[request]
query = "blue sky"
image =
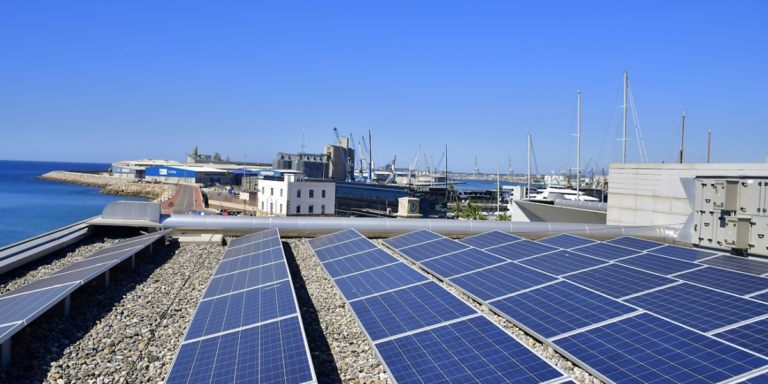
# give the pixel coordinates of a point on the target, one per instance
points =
(109, 81)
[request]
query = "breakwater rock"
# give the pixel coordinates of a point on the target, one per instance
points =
(113, 186)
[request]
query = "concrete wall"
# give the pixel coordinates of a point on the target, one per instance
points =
(651, 194)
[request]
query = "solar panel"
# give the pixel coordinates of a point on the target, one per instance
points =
(758, 379)
(334, 238)
(409, 239)
(761, 297)
(268, 353)
(688, 254)
(347, 248)
(468, 351)
(645, 348)
(700, 308)
(432, 249)
(489, 239)
(562, 262)
(249, 278)
(360, 262)
(521, 249)
(605, 251)
(16, 307)
(461, 262)
(500, 280)
(408, 309)
(79, 276)
(249, 261)
(378, 280)
(7, 330)
(251, 248)
(752, 336)
(635, 243)
(566, 241)
(242, 309)
(740, 264)
(618, 281)
(559, 308)
(725, 280)
(253, 237)
(658, 264)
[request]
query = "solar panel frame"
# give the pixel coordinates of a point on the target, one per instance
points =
(80, 277)
(408, 309)
(725, 280)
(378, 280)
(461, 262)
(411, 239)
(646, 348)
(634, 243)
(562, 262)
(760, 297)
(566, 241)
(521, 249)
(617, 281)
(687, 254)
(662, 265)
(752, 336)
(436, 248)
(357, 263)
(559, 308)
(8, 330)
(27, 306)
(761, 378)
(698, 307)
(490, 239)
(500, 280)
(606, 251)
(738, 264)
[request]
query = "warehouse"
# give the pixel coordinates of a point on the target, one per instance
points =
(192, 175)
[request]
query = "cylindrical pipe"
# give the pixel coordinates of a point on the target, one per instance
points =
(386, 227)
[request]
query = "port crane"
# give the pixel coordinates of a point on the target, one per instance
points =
(343, 154)
(368, 162)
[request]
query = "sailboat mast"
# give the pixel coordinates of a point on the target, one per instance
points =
(624, 138)
(528, 192)
(578, 148)
(709, 145)
(498, 191)
(682, 139)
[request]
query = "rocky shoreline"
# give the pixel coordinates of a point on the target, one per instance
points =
(113, 186)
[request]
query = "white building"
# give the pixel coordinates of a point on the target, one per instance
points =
(294, 196)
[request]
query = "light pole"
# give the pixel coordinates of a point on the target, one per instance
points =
(186, 157)
(242, 183)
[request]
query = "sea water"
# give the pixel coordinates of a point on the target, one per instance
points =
(30, 206)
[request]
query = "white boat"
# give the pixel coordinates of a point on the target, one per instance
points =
(554, 192)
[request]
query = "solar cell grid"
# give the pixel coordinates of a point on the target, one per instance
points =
(618, 281)
(645, 348)
(359, 262)
(635, 243)
(761, 297)
(461, 262)
(116, 249)
(6, 330)
(759, 379)
(378, 280)
(410, 239)
(521, 249)
(249, 278)
(501, 280)
(87, 263)
(739, 264)
(432, 249)
(700, 308)
(253, 237)
(566, 241)
(725, 280)
(752, 336)
(559, 308)
(269, 353)
(78, 276)
(606, 251)
(562, 262)
(251, 248)
(333, 238)
(344, 249)
(489, 239)
(249, 261)
(658, 264)
(241, 309)
(408, 309)
(472, 350)
(23, 307)
(688, 254)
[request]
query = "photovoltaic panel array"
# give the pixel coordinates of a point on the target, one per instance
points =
(738, 264)
(566, 241)
(247, 326)
(593, 296)
(422, 332)
(24, 304)
(489, 239)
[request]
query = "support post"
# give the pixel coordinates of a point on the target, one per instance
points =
(133, 261)
(5, 352)
(106, 279)
(67, 302)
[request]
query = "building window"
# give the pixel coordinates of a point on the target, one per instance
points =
(298, 209)
(322, 209)
(271, 191)
(298, 193)
(262, 190)
(262, 205)
(323, 193)
(281, 207)
(311, 208)
(311, 193)
(281, 192)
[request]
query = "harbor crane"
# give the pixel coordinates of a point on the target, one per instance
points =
(343, 154)
(368, 162)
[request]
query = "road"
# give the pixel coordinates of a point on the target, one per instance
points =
(187, 198)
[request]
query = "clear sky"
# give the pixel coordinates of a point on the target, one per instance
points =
(104, 81)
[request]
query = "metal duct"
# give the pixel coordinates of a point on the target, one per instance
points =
(590, 205)
(386, 227)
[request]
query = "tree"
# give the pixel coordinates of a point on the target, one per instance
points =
(217, 156)
(473, 212)
(456, 210)
(503, 217)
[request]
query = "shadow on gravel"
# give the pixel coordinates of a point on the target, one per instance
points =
(39, 346)
(326, 369)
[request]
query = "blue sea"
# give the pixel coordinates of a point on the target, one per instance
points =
(29, 206)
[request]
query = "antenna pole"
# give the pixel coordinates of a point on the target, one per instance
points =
(498, 191)
(528, 192)
(682, 140)
(446, 182)
(709, 145)
(624, 139)
(578, 148)
(370, 157)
